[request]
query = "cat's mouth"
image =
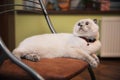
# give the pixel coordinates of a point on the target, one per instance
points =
(82, 29)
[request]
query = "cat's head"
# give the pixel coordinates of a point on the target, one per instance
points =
(86, 28)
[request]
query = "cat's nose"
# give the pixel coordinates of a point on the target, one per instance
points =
(80, 25)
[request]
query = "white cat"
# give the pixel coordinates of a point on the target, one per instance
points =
(82, 44)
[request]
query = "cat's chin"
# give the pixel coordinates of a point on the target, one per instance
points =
(84, 35)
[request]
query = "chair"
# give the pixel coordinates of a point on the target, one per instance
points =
(46, 69)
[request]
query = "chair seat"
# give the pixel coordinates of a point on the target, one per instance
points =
(50, 69)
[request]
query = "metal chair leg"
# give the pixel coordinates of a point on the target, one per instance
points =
(92, 75)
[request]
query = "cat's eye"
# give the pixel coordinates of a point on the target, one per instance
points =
(87, 23)
(79, 24)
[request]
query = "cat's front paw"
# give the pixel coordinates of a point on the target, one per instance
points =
(93, 64)
(32, 57)
(96, 58)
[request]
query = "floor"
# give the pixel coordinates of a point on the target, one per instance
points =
(109, 69)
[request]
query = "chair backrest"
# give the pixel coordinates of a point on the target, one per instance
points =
(10, 8)
(28, 7)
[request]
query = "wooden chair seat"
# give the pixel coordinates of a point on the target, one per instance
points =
(50, 69)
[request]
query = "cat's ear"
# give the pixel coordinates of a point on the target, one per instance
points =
(95, 20)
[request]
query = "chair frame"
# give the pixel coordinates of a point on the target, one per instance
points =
(7, 53)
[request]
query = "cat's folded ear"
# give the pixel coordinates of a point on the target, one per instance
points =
(95, 20)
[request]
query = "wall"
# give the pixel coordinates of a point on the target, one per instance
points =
(28, 25)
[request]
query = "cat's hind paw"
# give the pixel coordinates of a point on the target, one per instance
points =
(32, 57)
(17, 56)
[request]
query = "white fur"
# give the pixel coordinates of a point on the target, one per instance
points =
(62, 45)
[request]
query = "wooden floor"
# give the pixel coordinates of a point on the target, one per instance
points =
(109, 69)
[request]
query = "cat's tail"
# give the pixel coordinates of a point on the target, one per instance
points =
(17, 53)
